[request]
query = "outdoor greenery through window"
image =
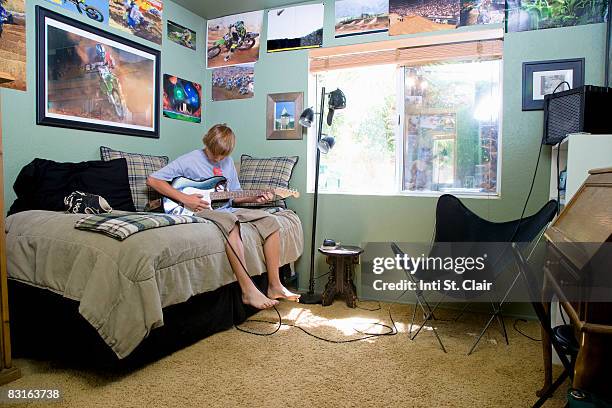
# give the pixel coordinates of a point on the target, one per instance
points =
(418, 129)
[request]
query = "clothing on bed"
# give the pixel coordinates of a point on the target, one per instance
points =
(122, 286)
(265, 223)
(43, 184)
(121, 226)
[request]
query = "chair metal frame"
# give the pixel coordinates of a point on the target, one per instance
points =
(496, 306)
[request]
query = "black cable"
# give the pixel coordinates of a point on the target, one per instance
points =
(535, 172)
(392, 331)
(522, 333)
(558, 179)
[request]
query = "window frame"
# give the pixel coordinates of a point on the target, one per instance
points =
(313, 94)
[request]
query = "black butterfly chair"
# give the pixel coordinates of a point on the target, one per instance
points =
(455, 223)
(561, 337)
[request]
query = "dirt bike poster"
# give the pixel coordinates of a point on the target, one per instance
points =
(143, 18)
(237, 82)
(182, 99)
(181, 35)
(96, 10)
(89, 79)
(355, 17)
(233, 40)
(13, 42)
(477, 12)
(295, 28)
(418, 16)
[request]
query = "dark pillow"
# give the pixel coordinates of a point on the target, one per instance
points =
(43, 184)
(256, 174)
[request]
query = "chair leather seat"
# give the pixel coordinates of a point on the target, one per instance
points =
(564, 336)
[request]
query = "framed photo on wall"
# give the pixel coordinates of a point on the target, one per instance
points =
(541, 78)
(89, 79)
(282, 116)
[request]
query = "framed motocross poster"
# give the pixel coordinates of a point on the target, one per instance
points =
(89, 79)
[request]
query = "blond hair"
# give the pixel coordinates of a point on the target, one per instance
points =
(220, 140)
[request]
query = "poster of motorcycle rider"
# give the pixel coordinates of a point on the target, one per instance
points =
(96, 10)
(95, 80)
(13, 42)
(143, 18)
(234, 40)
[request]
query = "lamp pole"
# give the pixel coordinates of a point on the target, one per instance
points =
(311, 297)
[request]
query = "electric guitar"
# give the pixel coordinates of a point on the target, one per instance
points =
(211, 189)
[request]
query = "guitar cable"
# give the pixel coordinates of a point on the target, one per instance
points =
(392, 330)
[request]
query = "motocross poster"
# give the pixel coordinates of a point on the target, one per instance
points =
(182, 99)
(234, 40)
(295, 28)
(181, 35)
(143, 18)
(13, 42)
(92, 80)
(95, 10)
(237, 82)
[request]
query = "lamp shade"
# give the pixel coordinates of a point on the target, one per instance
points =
(326, 144)
(307, 117)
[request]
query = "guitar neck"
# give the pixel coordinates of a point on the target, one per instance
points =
(227, 195)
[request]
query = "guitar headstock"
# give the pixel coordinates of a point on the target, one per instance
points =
(286, 192)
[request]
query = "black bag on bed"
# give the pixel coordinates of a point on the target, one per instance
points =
(43, 184)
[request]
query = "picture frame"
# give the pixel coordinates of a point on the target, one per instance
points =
(89, 79)
(541, 78)
(283, 110)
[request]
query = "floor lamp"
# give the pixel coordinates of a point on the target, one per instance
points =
(325, 143)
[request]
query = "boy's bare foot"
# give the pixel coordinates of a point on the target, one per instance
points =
(257, 299)
(281, 292)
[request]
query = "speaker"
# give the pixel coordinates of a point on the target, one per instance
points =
(583, 109)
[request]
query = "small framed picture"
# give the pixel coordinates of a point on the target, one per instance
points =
(284, 110)
(542, 78)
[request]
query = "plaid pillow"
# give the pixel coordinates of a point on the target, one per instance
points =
(266, 173)
(140, 166)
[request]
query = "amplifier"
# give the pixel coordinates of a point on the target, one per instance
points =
(583, 109)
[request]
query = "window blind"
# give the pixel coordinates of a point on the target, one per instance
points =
(404, 53)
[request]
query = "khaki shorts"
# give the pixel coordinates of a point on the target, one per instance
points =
(265, 223)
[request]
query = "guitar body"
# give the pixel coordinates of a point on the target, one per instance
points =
(204, 187)
(213, 189)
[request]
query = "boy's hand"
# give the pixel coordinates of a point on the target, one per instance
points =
(264, 198)
(195, 203)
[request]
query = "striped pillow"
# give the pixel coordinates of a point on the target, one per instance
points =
(266, 173)
(140, 166)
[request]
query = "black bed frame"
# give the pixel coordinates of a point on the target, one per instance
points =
(47, 326)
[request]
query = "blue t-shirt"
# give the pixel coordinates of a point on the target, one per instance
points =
(195, 165)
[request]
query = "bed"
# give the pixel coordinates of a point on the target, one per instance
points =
(131, 300)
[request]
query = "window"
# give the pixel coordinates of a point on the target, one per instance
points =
(451, 127)
(363, 159)
(428, 126)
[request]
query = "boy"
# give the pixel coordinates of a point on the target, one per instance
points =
(215, 160)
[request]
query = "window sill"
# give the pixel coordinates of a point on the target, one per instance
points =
(425, 194)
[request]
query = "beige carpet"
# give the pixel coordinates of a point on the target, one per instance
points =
(292, 369)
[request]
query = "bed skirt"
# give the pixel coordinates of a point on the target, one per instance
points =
(45, 325)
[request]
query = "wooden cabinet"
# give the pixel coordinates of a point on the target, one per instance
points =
(8, 372)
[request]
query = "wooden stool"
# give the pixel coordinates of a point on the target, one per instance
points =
(341, 261)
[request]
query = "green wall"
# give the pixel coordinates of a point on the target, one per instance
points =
(359, 219)
(347, 218)
(23, 140)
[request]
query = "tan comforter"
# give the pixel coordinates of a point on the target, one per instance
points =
(123, 286)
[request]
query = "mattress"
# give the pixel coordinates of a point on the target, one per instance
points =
(122, 286)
